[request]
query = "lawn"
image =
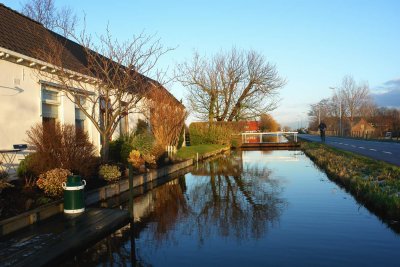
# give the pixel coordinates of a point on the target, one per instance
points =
(190, 152)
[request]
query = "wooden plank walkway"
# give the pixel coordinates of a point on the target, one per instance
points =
(60, 238)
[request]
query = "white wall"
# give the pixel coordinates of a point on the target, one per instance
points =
(20, 105)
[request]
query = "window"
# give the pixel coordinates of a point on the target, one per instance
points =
(80, 117)
(50, 105)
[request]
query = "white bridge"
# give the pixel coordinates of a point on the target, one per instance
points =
(268, 138)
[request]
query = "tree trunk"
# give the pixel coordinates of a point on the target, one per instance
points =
(211, 114)
(238, 104)
(105, 145)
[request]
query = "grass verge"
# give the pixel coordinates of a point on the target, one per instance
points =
(190, 152)
(375, 183)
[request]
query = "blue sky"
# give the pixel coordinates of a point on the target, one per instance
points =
(313, 43)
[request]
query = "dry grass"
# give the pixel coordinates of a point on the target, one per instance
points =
(375, 183)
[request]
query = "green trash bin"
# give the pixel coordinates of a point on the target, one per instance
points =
(74, 201)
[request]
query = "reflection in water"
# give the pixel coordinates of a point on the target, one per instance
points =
(224, 198)
(252, 208)
(239, 202)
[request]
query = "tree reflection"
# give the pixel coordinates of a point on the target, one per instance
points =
(239, 202)
(168, 206)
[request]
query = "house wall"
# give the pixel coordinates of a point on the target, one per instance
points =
(133, 119)
(20, 105)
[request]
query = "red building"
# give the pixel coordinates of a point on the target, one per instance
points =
(252, 127)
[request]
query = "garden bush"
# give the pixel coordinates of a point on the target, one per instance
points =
(25, 170)
(142, 127)
(135, 159)
(3, 175)
(4, 184)
(61, 146)
(110, 173)
(3, 180)
(216, 133)
(115, 150)
(144, 143)
(51, 181)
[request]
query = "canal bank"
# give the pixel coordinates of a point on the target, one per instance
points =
(49, 210)
(374, 183)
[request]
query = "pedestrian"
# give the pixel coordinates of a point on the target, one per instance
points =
(322, 129)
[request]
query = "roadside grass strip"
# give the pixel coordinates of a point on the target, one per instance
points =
(374, 183)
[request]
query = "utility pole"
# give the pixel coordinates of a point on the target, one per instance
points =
(319, 113)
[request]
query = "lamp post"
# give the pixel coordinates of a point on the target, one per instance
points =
(340, 110)
(319, 113)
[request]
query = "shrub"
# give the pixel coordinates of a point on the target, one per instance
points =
(3, 180)
(144, 143)
(3, 175)
(135, 159)
(215, 133)
(149, 159)
(51, 181)
(115, 150)
(25, 170)
(110, 173)
(4, 184)
(142, 127)
(61, 146)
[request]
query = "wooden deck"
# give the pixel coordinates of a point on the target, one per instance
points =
(60, 238)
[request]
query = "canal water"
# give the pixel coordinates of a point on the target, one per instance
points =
(249, 208)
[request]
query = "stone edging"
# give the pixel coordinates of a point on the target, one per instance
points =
(25, 219)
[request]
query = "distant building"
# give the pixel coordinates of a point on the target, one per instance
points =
(360, 127)
(252, 126)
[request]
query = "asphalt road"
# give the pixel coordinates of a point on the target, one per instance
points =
(386, 151)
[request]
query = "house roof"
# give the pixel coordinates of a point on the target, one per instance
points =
(23, 35)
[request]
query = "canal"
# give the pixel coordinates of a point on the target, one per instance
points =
(249, 208)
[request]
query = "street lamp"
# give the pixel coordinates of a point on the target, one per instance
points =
(319, 113)
(340, 109)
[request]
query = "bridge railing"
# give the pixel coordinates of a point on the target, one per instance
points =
(268, 137)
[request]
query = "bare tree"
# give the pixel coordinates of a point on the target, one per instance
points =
(167, 116)
(105, 85)
(324, 110)
(355, 97)
(349, 100)
(62, 20)
(234, 85)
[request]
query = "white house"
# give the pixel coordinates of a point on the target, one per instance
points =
(26, 96)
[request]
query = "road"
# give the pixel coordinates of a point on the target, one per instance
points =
(386, 151)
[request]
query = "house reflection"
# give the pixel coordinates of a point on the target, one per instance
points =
(221, 197)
